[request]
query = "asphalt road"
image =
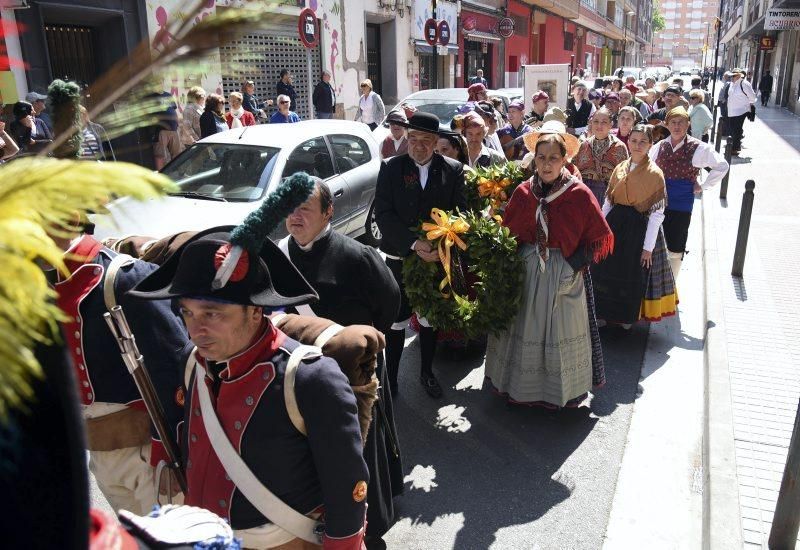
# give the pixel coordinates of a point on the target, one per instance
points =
(482, 474)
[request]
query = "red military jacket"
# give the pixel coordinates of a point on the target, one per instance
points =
(323, 472)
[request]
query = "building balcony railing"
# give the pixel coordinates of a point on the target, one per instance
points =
(569, 9)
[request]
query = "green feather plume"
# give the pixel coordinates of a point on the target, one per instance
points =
(65, 98)
(40, 197)
(291, 193)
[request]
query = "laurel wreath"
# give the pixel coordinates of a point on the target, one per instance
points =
(485, 286)
(491, 186)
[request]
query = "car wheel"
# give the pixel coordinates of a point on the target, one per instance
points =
(372, 235)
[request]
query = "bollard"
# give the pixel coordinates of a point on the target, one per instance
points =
(717, 141)
(744, 229)
(786, 521)
(713, 126)
(723, 187)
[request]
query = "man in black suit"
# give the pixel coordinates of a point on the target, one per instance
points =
(765, 87)
(409, 186)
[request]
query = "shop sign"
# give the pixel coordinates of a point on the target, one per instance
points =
(766, 43)
(308, 28)
(431, 31)
(505, 27)
(780, 19)
(444, 33)
(470, 23)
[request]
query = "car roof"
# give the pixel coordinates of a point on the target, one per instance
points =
(451, 94)
(287, 135)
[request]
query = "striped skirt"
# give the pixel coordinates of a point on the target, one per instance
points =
(661, 296)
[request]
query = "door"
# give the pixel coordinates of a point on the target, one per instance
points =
(314, 158)
(374, 57)
(71, 50)
(352, 158)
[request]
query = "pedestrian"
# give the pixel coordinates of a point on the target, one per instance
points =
(355, 287)
(396, 143)
(478, 79)
(236, 399)
(599, 154)
(370, 106)
(511, 134)
(540, 101)
(285, 87)
(324, 97)
(8, 147)
(635, 280)
(628, 118)
(452, 145)
(474, 130)
(190, 124)
(166, 141)
(765, 87)
(740, 100)
(284, 115)
(697, 85)
(595, 96)
(38, 101)
(212, 121)
(251, 103)
(681, 157)
(237, 117)
(579, 109)
(122, 450)
(95, 144)
(29, 133)
(700, 117)
(408, 187)
(612, 103)
(616, 85)
(672, 95)
(545, 357)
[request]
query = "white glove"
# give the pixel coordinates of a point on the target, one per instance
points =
(173, 524)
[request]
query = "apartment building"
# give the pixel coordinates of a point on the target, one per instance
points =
(689, 35)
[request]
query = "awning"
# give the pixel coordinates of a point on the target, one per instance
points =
(481, 36)
(420, 46)
(731, 32)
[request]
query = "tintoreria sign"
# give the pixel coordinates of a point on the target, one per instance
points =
(782, 19)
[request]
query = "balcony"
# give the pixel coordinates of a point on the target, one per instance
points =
(569, 9)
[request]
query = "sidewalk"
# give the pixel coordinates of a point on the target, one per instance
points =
(759, 345)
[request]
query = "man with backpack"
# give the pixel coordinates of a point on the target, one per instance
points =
(740, 100)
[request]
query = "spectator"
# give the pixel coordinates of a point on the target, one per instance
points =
(649, 82)
(283, 114)
(212, 121)
(39, 108)
(29, 133)
(616, 84)
(95, 144)
(396, 143)
(166, 142)
(596, 98)
(251, 103)
(671, 99)
(648, 98)
(700, 119)
(740, 100)
(540, 102)
(612, 103)
(579, 109)
(285, 87)
(8, 147)
(324, 98)
(190, 125)
(696, 85)
(370, 106)
(237, 117)
(765, 87)
(478, 79)
(489, 115)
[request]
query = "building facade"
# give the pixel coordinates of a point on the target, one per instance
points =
(688, 36)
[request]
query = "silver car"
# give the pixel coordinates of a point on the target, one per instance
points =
(224, 177)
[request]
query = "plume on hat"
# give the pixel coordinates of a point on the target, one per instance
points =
(251, 234)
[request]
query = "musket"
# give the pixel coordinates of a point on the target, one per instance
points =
(135, 362)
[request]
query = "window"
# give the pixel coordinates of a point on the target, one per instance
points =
(349, 151)
(311, 157)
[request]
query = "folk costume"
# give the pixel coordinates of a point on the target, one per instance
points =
(117, 424)
(578, 115)
(634, 209)
(404, 196)
(681, 164)
(508, 134)
(596, 160)
(292, 490)
(545, 356)
(355, 287)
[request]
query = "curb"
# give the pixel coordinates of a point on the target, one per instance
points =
(722, 524)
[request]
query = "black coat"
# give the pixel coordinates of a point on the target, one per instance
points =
(211, 123)
(765, 84)
(324, 97)
(401, 203)
(287, 89)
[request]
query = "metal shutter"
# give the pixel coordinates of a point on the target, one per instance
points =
(261, 56)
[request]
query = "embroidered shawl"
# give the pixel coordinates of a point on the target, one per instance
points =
(641, 188)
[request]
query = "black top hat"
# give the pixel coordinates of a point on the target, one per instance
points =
(424, 122)
(270, 280)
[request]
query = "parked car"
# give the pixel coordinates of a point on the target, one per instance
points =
(635, 72)
(444, 103)
(224, 177)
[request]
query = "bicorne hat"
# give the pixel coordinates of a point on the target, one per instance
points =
(238, 265)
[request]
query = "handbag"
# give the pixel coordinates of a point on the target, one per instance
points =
(752, 114)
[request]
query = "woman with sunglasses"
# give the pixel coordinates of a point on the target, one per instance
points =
(370, 106)
(283, 115)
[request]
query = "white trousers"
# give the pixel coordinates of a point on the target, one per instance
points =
(126, 478)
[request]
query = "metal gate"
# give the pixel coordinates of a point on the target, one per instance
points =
(71, 52)
(261, 56)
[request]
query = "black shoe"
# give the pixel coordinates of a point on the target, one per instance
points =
(431, 385)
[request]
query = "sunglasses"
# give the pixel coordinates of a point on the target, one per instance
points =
(283, 102)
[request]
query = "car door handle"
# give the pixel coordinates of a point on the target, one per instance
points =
(339, 193)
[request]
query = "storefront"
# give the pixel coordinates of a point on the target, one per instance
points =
(447, 59)
(518, 45)
(481, 47)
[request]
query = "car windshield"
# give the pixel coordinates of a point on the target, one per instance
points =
(220, 171)
(445, 109)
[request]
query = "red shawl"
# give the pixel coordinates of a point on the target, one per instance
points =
(575, 220)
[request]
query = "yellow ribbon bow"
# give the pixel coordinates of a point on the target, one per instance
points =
(447, 229)
(496, 189)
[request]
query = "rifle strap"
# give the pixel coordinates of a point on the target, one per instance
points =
(117, 262)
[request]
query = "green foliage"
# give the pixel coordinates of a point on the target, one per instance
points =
(491, 260)
(481, 194)
(658, 22)
(64, 98)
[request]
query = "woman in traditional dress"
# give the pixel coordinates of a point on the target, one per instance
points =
(545, 357)
(635, 281)
(600, 154)
(627, 118)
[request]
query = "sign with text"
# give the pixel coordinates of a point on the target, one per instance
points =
(780, 19)
(446, 10)
(766, 43)
(431, 32)
(444, 33)
(505, 27)
(307, 28)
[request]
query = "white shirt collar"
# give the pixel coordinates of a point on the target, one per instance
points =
(307, 247)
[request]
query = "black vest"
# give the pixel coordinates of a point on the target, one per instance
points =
(578, 118)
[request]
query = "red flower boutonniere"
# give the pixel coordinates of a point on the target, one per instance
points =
(411, 179)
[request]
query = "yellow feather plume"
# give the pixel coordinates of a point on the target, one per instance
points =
(38, 195)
